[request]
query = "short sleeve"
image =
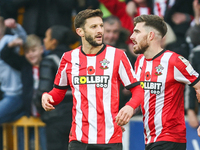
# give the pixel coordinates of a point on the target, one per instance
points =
(184, 72)
(126, 72)
(61, 80)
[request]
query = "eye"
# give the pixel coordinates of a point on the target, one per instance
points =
(94, 26)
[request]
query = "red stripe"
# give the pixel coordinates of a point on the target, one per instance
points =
(115, 97)
(152, 102)
(138, 12)
(159, 9)
(127, 66)
(149, 11)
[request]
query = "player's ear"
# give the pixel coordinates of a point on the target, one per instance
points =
(151, 35)
(80, 32)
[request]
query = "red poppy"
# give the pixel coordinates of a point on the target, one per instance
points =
(147, 75)
(91, 70)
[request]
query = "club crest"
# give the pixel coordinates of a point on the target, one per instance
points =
(104, 64)
(159, 69)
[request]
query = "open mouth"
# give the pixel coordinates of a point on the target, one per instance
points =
(134, 42)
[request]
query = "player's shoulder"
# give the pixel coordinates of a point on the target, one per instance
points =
(68, 53)
(176, 58)
(173, 55)
(117, 50)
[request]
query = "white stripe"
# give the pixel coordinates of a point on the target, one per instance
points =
(63, 78)
(92, 114)
(144, 11)
(160, 98)
(195, 144)
(77, 94)
(186, 96)
(109, 127)
(178, 76)
(123, 73)
(139, 69)
(146, 103)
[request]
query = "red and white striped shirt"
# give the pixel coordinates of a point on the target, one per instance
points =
(95, 82)
(163, 78)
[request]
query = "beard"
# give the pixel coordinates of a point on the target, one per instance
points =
(142, 47)
(91, 40)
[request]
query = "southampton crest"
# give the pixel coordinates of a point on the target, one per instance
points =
(159, 69)
(104, 64)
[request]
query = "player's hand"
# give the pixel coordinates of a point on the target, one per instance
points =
(124, 115)
(15, 42)
(46, 102)
(198, 131)
(198, 94)
(192, 118)
(10, 23)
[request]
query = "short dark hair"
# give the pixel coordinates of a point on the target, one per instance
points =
(153, 21)
(80, 18)
(63, 34)
(111, 20)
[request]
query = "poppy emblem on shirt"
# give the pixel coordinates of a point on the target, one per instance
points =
(147, 75)
(159, 69)
(104, 64)
(90, 70)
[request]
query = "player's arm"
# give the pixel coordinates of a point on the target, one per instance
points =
(197, 89)
(128, 79)
(126, 112)
(57, 94)
(54, 97)
(198, 131)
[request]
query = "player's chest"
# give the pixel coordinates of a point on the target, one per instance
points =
(92, 66)
(153, 76)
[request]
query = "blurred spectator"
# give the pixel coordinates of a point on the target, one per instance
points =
(179, 15)
(126, 20)
(138, 7)
(11, 104)
(116, 36)
(29, 67)
(58, 122)
(37, 16)
(169, 39)
(126, 12)
(193, 108)
(196, 8)
(85, 4)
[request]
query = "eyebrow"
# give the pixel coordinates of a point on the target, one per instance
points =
(136, 30)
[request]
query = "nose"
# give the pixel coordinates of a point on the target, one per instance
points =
(100, 29)
(132, 36)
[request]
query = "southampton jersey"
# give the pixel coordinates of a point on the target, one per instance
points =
(163, 79)
(95, 82)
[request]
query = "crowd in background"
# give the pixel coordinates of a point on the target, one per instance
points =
(35, 34)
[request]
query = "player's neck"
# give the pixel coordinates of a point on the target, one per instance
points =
(151, 52)
(89, 49)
